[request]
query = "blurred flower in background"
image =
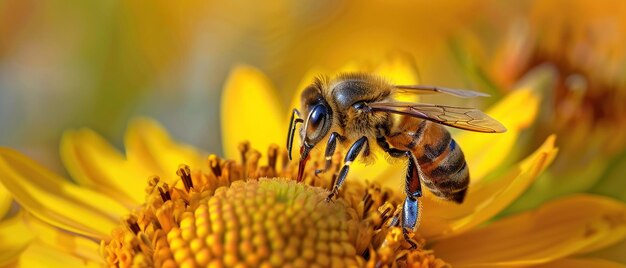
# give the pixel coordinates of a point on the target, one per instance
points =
(582, 44)
(91, 64)
(97, 64)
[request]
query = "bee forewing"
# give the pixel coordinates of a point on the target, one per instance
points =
(458, 117)
(424, 89)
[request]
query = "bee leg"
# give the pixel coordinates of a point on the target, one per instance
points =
(330, 150)
(393, 152)
(353, 152)
(410, 209)
(292, 129)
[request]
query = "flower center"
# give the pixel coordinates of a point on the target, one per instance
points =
(218, 218)
(264, 222)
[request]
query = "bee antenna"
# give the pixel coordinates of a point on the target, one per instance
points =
(292, 129)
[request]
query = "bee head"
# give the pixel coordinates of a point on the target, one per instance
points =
(318, 120)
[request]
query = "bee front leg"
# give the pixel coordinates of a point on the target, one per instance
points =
(353, 152)
(330, 150)
(410, 209)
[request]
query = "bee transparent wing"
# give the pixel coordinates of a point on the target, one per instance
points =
(458, 117)
(423, 89)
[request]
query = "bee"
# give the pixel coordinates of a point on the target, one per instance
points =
(356, 109)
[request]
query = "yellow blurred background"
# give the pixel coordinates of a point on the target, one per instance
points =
(69, 64)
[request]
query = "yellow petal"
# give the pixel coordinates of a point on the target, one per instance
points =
(613, 253)
(581, 263)
(14, 238)
(618, 235)
(556, 230)
(485, 200)
(149, 146)
(41, 255)
(491, 198)
(5, 201)
(77, 246)
(354, 66)
(55, 200)
(399, 69)
(485, 152)
(250, 111)
(94, 163)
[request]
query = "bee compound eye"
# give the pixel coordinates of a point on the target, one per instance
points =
(316, 125)
(318, 116)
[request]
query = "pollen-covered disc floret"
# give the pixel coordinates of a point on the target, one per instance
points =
(214, 217)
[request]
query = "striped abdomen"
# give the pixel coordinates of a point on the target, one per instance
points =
(440, 159)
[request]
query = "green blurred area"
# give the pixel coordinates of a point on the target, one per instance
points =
(69, 64)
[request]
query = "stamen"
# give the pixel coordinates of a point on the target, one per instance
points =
(367, 204)
(132, 224)
(386, 211)
(395, 219)
(253, 164)
(184, 172)
(366, 255)
(152, 183)
(384, 196)
(214, 164)
(333, 179)
(272, 156)
(244, 147)
(146, 244)
(164, 192)
(229, 172)
(284, 155)
(165, 216)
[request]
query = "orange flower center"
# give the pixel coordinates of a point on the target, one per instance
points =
(218, 218)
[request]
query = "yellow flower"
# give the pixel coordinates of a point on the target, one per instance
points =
(129, 208)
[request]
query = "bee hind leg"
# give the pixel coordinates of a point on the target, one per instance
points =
(410, 208)
(356, 148)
